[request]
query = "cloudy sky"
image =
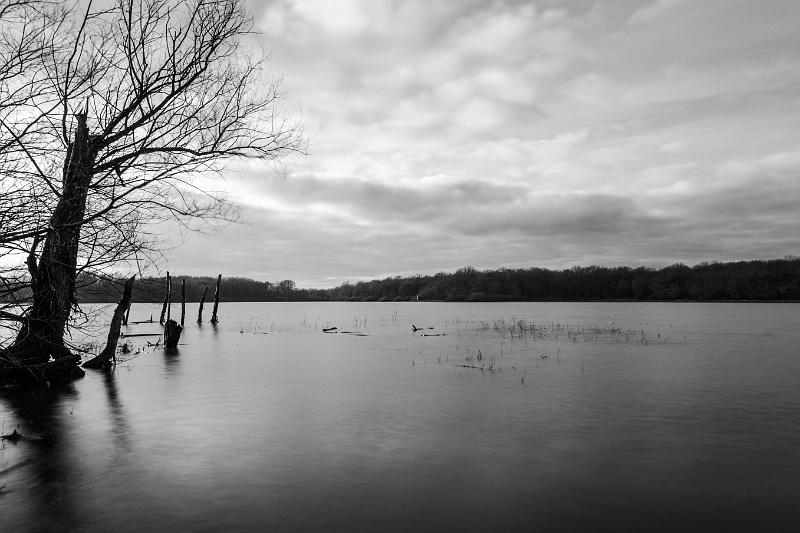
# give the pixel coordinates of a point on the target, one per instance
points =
(513, 134)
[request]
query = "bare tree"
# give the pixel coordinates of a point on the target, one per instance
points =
(25, 39)
(139, 98)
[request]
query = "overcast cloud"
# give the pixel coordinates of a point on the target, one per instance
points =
(516, 134)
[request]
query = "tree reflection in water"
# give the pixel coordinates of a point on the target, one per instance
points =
(41, 473)
(36, 470)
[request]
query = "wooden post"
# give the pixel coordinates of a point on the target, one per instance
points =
(202, 301)
(166, 299)
(183, 300)
(214, 318)
(169, 296)
(109, 354)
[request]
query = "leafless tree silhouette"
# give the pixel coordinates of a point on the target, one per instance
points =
(112, 116)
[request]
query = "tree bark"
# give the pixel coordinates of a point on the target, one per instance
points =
(214, 319)
(53, 277)
(202, 301)
(108, 355)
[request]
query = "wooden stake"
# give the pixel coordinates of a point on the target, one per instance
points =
(202, 301)
(183, 300)
(169, 296)
(214, 318)
(166, 299)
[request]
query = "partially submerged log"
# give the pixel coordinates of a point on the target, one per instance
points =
(202, 301)
(214, 318)
(12, 437)
(172, 334)
(107, 357)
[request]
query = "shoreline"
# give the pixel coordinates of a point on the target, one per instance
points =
(484, 301)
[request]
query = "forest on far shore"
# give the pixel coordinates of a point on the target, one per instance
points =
(765, 280)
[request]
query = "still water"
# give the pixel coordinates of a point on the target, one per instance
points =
(565, 417)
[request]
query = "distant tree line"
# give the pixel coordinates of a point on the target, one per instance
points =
(743, 280)
(773, 280)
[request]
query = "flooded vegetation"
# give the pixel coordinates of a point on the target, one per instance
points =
(398, 416)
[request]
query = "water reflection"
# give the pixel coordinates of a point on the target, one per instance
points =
(120, 431)
(43, 485)
(172, 361)
(300, 430)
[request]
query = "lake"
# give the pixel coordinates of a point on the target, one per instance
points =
(500, 417)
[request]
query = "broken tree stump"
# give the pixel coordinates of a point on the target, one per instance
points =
(108, 356)
(214, 318)
(202, 301)
(172, 334)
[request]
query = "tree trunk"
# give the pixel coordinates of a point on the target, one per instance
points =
(214, 319)
(53, 278)
(202, 301)
(104, 360)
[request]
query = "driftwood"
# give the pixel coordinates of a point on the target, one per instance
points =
(202, 301)
(165, 307)
(108, 356)
(12, 437)
(172, 334)
(214, 318)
